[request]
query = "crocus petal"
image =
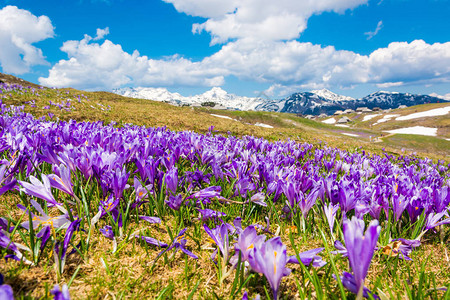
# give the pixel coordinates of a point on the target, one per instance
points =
(152, 241)
(61, 294)
(6, 292)
(151, 220)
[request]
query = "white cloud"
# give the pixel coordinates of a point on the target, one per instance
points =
(101, 33)
(411, 62)
(445, 97)
(19, 29)
(371, 34)
(284, 65)
(205, 8)
(389, 84)
(308, 66)
(107, 66)
(290, 63)
(266, 20)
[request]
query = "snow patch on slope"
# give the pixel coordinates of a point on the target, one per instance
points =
(223, 117)
(370, 117)
(329, 121)
(429, 113)
(263, 125)
(386, 118)
(350, 134)
(419, 130)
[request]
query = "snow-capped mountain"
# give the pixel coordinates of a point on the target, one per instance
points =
(386, 100)
(217, 95)
(157, 94)
(319, 102)
(329, 95)
(307, 103)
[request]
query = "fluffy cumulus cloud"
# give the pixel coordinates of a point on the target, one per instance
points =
(304, 65)
(105, 66)
(19, 29)
(286, 65)
(417, 61)
(257, 19)
(290, 63)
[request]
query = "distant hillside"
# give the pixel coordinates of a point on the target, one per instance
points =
(9, 79)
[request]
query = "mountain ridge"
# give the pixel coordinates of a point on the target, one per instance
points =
(315, 102)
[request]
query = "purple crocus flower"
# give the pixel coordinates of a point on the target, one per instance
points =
(44, 235)
(237, 226)
(400, 248)
(349, 282)
(441, 199)
(309, 257)
(245, 296)
(171, 180)
(61, 180)
(330, 211)
(247, 241)
(308, 202)
(60, 221)
(361, 209)
(294, 195)
(179, 243)
(220, 237)
(141, 191)
(107, 232)
(39, 189)
(4, 225)
(360, 247)
(347, 198)
(434, 220)
(6, 292)
(61, 294)
(209, 192)
(340, 249)
(208, 214)
(8, 182)
(174, 202)
(119, 182)
(6, 243)
(69, 233)
(60, 252)
(399, 204)
(270, 259)
(258, 198)
(110, 205)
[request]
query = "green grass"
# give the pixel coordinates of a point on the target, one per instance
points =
(410, 142)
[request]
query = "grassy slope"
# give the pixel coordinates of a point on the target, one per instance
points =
(424, 145)
(151, 113)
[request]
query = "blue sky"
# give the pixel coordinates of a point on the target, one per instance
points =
(352, 47)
